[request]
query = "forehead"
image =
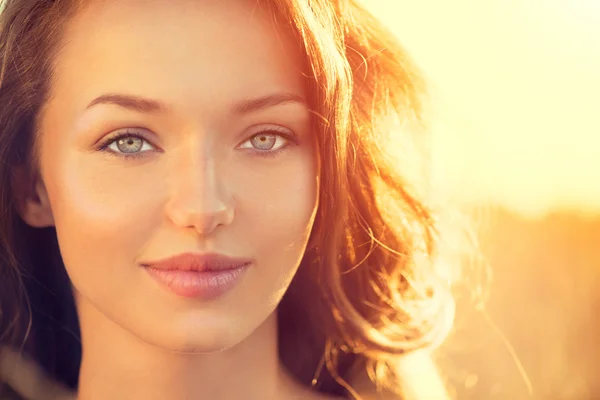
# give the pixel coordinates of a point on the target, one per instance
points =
(176, 49)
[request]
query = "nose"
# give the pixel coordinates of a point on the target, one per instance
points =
(198, 199)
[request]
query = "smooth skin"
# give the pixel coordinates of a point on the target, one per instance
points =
(222, 159)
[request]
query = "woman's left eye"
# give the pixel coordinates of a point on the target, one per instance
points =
(267, 142)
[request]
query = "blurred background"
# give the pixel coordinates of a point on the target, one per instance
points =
(515, 90)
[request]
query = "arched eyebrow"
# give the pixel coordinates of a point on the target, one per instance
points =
(134, 103)
(146, 105)
(260, 103)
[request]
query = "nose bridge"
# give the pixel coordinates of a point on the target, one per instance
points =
(198, 194)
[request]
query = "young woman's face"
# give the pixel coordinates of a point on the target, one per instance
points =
(221, 160)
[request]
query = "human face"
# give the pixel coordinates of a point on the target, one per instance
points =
(200, 181)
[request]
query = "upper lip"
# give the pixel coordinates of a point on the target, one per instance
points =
(198, 262)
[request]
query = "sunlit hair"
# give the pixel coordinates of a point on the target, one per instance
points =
(370, 289)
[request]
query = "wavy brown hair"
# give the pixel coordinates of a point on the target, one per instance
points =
(368, 291)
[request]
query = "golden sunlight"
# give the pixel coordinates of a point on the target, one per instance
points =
(515, 90)
(516, 94)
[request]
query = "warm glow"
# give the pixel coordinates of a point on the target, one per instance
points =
(516, 95)
(516, 89)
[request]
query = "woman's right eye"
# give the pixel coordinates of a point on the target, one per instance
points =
(127, 145)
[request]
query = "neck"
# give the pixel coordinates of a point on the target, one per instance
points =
(117, 365)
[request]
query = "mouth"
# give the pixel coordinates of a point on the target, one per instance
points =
(201, 276)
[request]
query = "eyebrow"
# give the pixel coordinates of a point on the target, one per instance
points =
(260, 103)
(145, 105)
(134, 103)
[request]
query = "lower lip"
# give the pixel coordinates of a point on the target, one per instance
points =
(204, 285)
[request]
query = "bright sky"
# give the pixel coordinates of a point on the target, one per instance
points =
(517, 92)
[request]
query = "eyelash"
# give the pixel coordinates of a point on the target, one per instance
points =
(275, 131)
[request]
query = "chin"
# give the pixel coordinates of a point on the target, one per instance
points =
(199, 337)
(193, 343)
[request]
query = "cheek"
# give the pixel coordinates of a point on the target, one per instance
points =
(102, 218)
(277, 210)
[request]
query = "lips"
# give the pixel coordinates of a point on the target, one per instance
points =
(200, 276)
(198, 262)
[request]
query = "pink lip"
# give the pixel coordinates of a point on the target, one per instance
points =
(205, 276)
